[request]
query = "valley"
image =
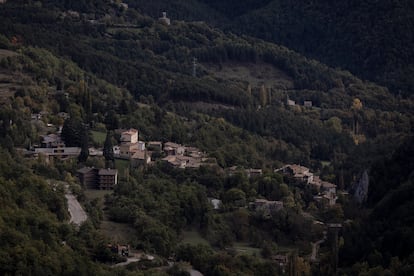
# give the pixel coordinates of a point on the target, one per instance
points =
(196, 145)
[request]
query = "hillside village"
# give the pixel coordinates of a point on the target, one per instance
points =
(140, 154)
(136, 142)
(326, 190)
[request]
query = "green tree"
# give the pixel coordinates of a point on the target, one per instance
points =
(335, 124)
(108, 150)
(71, 132)
(234, 198)
(84, 154)
(111, 120)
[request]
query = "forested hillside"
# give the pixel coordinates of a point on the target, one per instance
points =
(87, 70)
(384, 235)
(34, 237)
(373, 40)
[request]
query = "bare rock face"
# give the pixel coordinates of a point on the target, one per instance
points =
(361, 189)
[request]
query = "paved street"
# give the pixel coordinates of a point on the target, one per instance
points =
(77, 214)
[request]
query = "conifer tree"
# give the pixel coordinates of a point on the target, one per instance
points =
(84, 154)
(72, 132)
(108, 151)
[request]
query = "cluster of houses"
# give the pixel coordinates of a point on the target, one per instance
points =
(132, 149)
(327, 190)
(185, 157)
(140, 153)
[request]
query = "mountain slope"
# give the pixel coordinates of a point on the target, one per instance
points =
(375, 41)
(243, 104)
(153, 62)
(388, 229)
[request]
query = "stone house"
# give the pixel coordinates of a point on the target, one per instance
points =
(127, 150)
(140, 158)
(171, 148)
(326, 190)
(300, 173)
(154, 145)
(129, 136)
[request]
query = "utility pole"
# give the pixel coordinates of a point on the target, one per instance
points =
(194, 67)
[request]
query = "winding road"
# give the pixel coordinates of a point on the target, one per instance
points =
(77, 214)
(315, 247)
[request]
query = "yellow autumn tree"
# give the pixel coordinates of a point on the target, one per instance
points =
(356, 108)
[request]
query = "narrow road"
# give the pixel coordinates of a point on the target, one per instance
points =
(128, 261)
(190, 270)
(315, 247)
(77, 214)
(195, 272)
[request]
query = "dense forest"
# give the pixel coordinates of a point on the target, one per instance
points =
(373, 40)
(216, 85)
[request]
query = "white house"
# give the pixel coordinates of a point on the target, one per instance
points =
(164, 19)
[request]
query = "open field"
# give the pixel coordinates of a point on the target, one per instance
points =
(256, 74)
(193, 237)
(121, 165)
(117, 232)
(98, 136)
(245, 249)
